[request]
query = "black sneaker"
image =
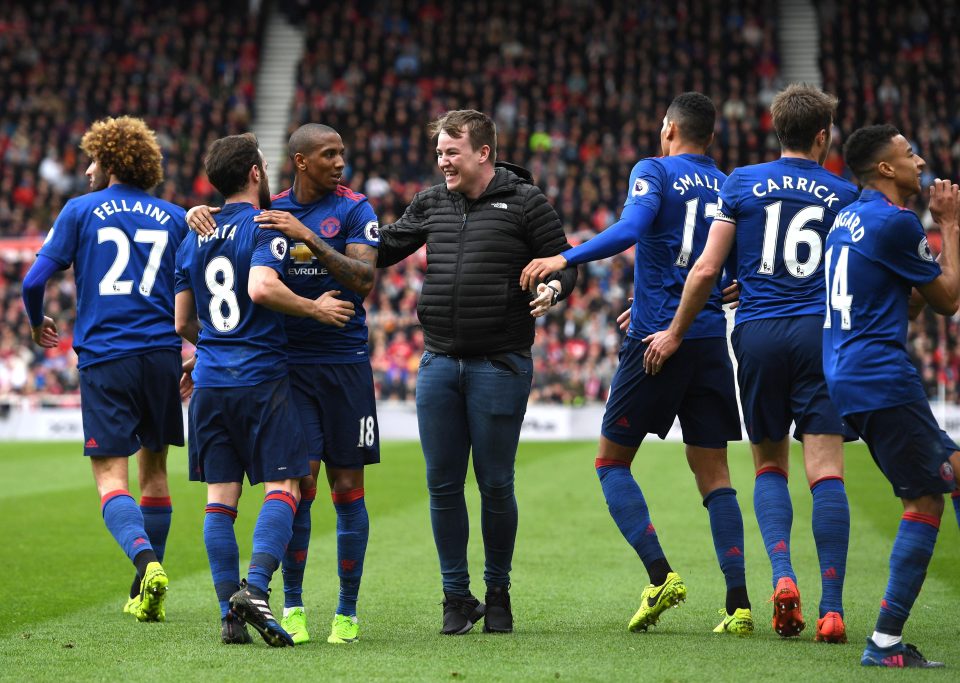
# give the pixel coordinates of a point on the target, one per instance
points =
(252, 605)
(233, 630)
(499, 617)
(460, 613)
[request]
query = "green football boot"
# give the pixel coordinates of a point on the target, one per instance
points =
(295, 624)
(153, 591)
(344, 629)
(656, 599)
(739, 623)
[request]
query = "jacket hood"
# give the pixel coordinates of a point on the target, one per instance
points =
(519, 171)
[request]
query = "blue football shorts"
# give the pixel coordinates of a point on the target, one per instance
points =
(131, 402)
(251, 430)
(695, 384)
(909, 447)
(780, 373)
(338, 411)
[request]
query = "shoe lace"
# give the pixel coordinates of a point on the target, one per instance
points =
(914, 652)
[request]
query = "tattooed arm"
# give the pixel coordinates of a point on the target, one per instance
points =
(354, 269)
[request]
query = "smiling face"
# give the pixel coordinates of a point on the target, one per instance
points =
(903, 166)
(323, 165)
(462, 166)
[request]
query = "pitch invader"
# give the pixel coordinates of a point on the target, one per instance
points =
(336, 236)
(876, 254)
(121, 242)
(666, 215)
(242, 418)
(778, 214)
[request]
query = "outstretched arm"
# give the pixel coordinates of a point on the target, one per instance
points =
(623, 234)
(400, 239)
(696, 292)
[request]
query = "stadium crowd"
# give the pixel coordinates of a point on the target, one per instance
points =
(574, 102)
(187, 68)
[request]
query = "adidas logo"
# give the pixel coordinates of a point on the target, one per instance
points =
(348, 565)
(91, 443)
(650, 530)
(139, 541)
(831, 573)
(734, 552)
(623, 422)
(780, 547)
(499, 205)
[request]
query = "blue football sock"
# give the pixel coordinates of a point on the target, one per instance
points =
(831, 533)
(955, 497)
(270, 537)
(295, 559)
(222, 552)
(123, 518)
(912, 550)
(353, 529)
(629, 510)
(774, 510)
(726, 525)
(157, 513)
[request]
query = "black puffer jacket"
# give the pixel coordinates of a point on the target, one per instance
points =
(471, 303)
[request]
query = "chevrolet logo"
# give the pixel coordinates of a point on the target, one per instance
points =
(301, 254)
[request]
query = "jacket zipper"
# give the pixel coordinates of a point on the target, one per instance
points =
(456, 275)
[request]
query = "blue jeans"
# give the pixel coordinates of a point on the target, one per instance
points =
(464, 403)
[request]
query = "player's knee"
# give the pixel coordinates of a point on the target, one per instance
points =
(925, 505)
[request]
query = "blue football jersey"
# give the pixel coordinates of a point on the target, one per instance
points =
(682, 191)
(783, 210)
(876, 253)
(122, 243)
(241, 344)
(340, 218)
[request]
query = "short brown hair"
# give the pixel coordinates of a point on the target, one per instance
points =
(481, 130)
(800, 112)
(229, 160)
(127, 148)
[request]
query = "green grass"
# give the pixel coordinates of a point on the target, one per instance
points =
(575, 581)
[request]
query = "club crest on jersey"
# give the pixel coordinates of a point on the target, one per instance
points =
(372, 231)
(947, 473)
(278, 247)
(924, 250)
(640, 187)
(330, 227)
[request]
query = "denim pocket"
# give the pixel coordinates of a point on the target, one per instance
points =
(426, 358)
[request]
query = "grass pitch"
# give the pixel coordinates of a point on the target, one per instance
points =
(575, 582)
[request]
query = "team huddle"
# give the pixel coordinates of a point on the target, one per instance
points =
(824, 277)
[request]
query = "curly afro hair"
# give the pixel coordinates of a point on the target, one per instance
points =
(127, 148)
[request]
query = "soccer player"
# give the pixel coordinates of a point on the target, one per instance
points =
(876, 253)
(242, 417)
(778, 214)
(336, 235)
(669, 203)
(122, 242)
